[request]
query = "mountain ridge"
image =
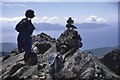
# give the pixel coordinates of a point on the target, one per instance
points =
(48, 26)
(99, 52)
(80, 65)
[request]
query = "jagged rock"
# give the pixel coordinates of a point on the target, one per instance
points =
(35, 76)
(29, 72)
(112, 60)
(9, 63)
(40, 66)
(12, 53)
(42, 75)
(43, 38)
(42, 47)
(84, 65)
(78, 66)
(19, 72)
(6, 57)
(48, 77)
(15, 68)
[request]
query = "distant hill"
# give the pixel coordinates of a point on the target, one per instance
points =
(99, 52)
(48, 27)
(91, 25)
(54, 27)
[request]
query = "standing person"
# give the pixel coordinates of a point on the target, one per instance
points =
(24, 39)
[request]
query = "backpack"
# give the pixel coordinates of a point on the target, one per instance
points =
(55, 62)
(20, 26)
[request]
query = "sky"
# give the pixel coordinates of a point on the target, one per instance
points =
(60, 0)
(57, 13)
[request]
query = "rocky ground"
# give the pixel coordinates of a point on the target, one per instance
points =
(79, 66)
(112, 60)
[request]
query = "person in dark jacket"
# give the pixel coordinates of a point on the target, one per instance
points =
(25, 29)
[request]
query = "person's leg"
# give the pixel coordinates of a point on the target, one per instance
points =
(33, 56)
(20, 44)
(27, 49)
(26, 57)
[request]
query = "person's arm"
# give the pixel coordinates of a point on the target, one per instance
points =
(31, 29)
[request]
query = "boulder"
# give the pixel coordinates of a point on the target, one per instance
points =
(112, 60)
(85, 66)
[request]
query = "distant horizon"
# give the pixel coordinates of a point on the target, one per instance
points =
(13, 47)
(58, 13)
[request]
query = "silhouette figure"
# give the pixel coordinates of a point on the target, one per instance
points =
(69, 39)
(25, 29)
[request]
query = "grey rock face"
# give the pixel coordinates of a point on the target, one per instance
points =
(112, 60)
(85, 66)
(79, 66)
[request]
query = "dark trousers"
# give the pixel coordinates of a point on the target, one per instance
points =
(27, 45)
(20, 43)
(24, 44)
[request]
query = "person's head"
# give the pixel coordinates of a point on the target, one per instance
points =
(70, 21)
(29, 13)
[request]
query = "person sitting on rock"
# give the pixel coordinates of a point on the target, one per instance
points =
(69, 39)
(55, 62)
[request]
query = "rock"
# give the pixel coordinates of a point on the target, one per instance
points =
(15, 68)
(35, 77)
(43, 47)
(40, 66)
(14, 52)
(18, 72)
(42, 76)
(83, 65)
(112, 60)
(6, 57)
(9, 63)
(48, 77)
(78, 66)
(11, 78)
(29, 71)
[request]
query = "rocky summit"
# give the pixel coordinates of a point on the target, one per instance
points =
(79, 66)
(112, 60)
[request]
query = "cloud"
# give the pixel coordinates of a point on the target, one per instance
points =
(10, 20)
(95, 19)
(36, 20)
(54, 20)
(46, 19)
(13, 4)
